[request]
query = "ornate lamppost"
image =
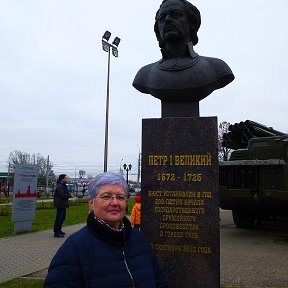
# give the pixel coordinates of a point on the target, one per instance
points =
(127, 168)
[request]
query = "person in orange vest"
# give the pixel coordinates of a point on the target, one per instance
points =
(136, 213)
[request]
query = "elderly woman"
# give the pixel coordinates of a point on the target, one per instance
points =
(107, 252)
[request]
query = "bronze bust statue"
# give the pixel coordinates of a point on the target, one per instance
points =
(182, 77)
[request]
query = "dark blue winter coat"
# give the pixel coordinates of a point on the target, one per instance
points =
(99, 257)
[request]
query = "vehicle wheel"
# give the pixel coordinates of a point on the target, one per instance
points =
(243, 218)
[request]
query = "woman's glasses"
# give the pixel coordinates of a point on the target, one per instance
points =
(108, 197)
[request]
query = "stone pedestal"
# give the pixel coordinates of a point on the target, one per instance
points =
(22, 226)
(180, 213)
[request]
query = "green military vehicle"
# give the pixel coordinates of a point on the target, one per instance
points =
(254, 181)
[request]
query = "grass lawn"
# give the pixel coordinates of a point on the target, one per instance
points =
(38, 283)
(45, 215)
(23, 283)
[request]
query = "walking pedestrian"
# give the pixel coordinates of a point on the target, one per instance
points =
(61, 196)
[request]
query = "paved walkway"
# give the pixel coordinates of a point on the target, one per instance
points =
(252, 258)
(27, 253)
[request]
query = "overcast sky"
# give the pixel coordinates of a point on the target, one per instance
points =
(53, 74)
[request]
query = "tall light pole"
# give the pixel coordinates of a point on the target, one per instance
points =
(8, 179)
(120, 168)
(47, 175)
(107, 48)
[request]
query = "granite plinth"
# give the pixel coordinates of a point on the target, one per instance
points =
(179, 183)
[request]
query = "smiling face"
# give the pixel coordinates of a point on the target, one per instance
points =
(173, 22)
(109, 204)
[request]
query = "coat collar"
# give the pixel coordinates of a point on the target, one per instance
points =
(108, 234)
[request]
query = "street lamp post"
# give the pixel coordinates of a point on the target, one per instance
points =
(107, 48)
(127, 168)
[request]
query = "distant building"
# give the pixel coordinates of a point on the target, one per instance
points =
(4, 184)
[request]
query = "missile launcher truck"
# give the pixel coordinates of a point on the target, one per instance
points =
(253, 183)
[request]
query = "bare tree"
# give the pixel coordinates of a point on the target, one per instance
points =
(19, 157)
(223, 152)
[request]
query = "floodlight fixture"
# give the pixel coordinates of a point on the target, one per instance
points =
(106, 36)
(115, 52)
(116, 41)
(105, 46)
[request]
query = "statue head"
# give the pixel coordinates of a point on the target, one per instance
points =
(181, 78)
(174, 10)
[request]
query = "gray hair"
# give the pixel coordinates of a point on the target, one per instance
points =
(106, 178)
